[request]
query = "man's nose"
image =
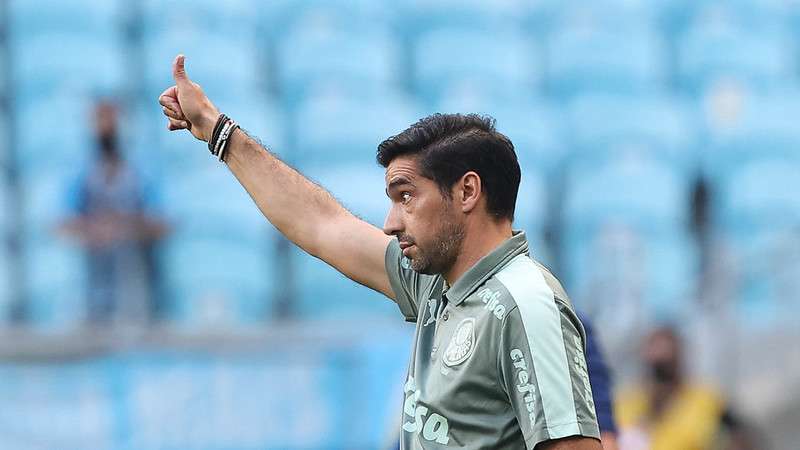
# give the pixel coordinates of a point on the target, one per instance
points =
(393, 223)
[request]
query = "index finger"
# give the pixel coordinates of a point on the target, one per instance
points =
(169, 99)
(171, 92)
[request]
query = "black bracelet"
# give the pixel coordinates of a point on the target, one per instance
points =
(225, 139)
(221, 120)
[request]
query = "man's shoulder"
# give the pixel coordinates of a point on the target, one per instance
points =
(523, 277)
(524, 281)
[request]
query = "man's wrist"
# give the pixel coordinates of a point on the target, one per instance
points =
(209, 119)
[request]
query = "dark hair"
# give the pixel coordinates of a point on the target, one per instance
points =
(450, 145)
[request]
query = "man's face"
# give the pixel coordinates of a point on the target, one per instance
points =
(428, 226)
(661, 355)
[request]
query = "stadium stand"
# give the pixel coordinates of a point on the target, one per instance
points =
(615, 107)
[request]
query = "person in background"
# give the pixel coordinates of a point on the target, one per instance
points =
(112, 216)
(669, 412)
(602, 385)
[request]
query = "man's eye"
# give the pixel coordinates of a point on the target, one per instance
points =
(405, 197)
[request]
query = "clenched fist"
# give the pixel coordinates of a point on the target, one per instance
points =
(186, 106)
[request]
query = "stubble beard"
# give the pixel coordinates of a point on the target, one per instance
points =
(444, 251)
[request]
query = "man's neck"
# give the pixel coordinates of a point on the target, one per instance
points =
(480, 239)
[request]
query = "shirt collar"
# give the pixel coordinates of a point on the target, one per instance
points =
(487, 266)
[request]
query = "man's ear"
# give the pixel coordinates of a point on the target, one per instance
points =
(469, 191)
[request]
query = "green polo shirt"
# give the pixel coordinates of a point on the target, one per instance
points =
(498, 360)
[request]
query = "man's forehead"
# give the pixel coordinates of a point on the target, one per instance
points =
(402, 168)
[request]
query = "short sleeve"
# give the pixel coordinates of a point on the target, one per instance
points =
(543, 370)
(407, 284)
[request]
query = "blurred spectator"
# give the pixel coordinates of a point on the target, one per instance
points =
(113, 218)
(668, 412)
(602, 384)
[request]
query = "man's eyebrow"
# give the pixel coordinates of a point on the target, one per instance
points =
(398, 182)
(395, 183)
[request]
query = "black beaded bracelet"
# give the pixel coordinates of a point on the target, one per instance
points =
(221, 120)
(225, 138)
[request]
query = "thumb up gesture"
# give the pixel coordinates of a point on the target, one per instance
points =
(186, 106)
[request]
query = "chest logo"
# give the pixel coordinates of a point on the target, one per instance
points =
(432, 304)
(461, 344)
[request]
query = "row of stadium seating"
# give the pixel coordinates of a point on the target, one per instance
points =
(306, 60)
(612, 171)
(289, 397)
(276, 16)
(715, 137)
(614, 237)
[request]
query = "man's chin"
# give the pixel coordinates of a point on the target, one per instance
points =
(422, 267)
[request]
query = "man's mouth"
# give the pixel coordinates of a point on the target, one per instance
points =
(405, 245)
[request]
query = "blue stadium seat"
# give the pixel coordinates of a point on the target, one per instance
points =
(764, 270)
(420, 16)
(68, 404)
(761, 127)
(218, 282)
(234, 19)
(74, 64)
(360, 187)
(360, 62)
(210, 204)
(297, 388)
(619, 272)
(532, 211)
(761, 195)
(331, 295)
(45, 204)
(378, 367)
(55, 266)
(55, 283)
(749, 16)
(56, 142)
(584, 60)
(6, 211)
(225, 66)
(279, 18)
(711, 54)
(341, 129)
(661, 126)
(606, 15)
(622, 191)
(89, 18)
(6, 287)
(262, 119)
(503, 62)
(5, 130)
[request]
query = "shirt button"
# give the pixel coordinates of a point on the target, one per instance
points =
(445, 316)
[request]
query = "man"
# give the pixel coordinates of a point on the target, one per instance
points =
(600, 378)
(669, 411)
(499, 357)
(113, 217)
(601, 382)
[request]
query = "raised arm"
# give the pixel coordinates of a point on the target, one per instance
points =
(303, 211)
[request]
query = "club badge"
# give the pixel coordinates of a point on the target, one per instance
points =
(461, 344)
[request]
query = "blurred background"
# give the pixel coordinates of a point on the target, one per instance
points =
(146, 304)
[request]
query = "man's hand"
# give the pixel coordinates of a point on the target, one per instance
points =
(186, 106)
